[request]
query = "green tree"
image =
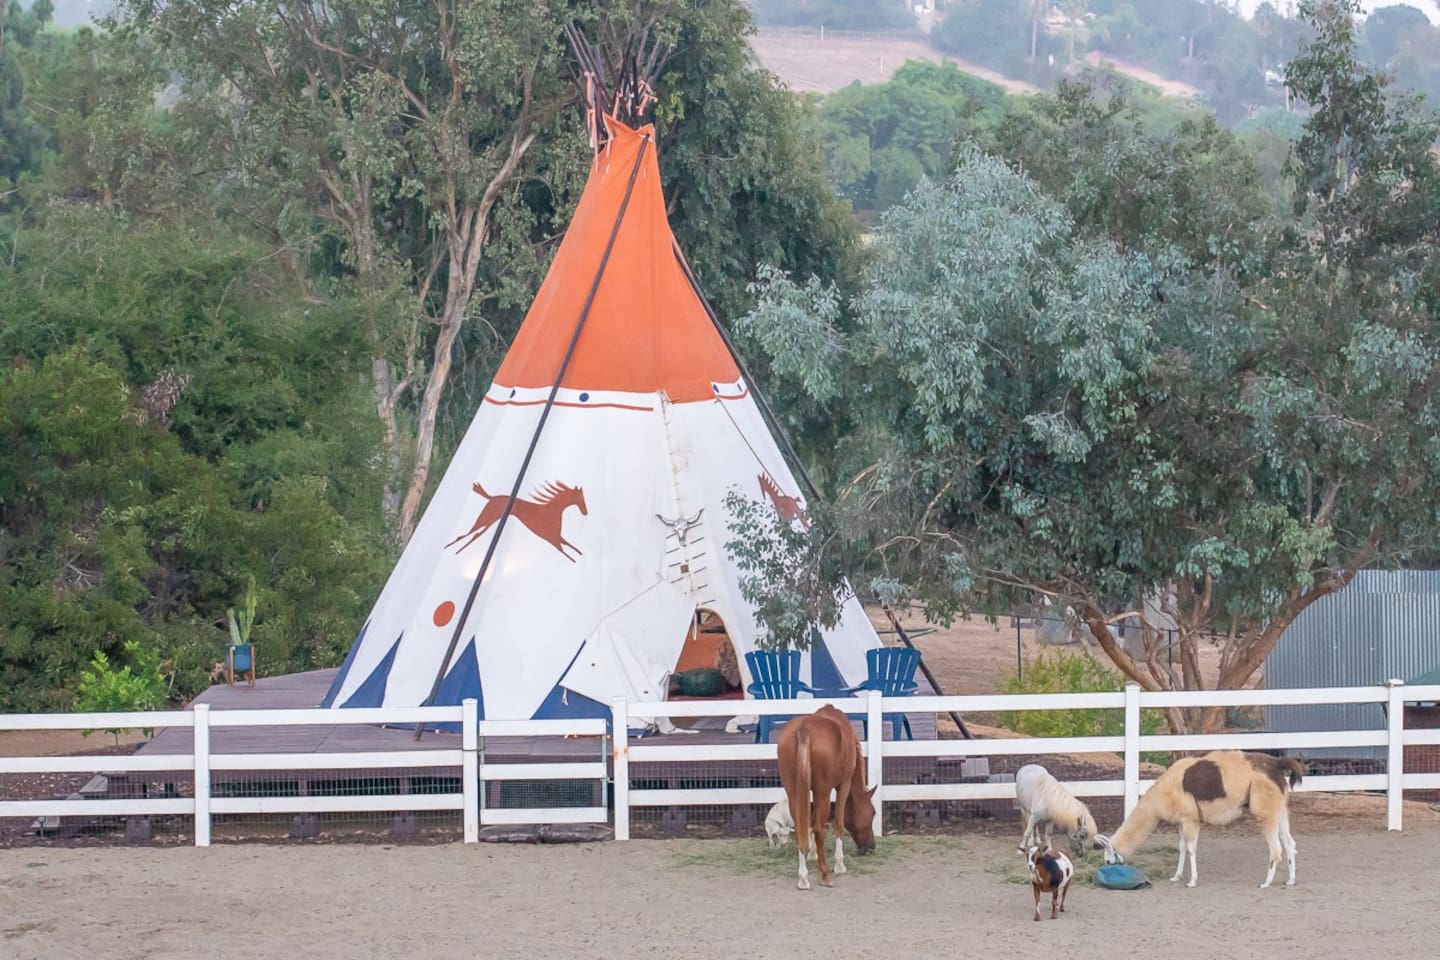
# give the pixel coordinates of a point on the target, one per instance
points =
(175, 419)
(880, 139)
(1048, 411)
(22, 138)
(426, 156)
(135, 687)
(1140, 171)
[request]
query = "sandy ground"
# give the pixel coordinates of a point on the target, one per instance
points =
(60, 743)
(1357, 893)
(1173, 88)
(810, 65)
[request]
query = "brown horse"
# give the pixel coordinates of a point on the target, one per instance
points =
(541, 516)
(819, 753)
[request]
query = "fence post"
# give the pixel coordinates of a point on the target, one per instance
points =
(875, 747)
(470, 766)
(1132, 747)
(620, 752)
(1395, 755)
(202, 774)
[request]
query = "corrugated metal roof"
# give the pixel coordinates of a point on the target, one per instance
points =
(1385, 624)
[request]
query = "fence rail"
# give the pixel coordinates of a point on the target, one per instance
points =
(611, 766)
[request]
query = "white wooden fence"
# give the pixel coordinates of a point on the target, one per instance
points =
(203, 762)
(1130, 744)
(624, 750)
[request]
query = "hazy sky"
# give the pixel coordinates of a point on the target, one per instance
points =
(1431, 7)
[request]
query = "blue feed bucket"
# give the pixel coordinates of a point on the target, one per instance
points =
(1120, 876)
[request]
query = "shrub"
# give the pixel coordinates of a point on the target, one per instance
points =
(1058, 671)
(103, 689)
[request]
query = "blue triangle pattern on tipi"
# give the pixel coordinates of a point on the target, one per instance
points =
(824, 675)
(339, 681)
(563, 704)
(460, 684)
(371, 693)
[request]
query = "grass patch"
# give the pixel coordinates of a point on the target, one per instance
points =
(748, 857)
(1156, 862)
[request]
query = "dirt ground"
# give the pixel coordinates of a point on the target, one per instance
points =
(1173, 88)
(931, 897)
(808, 64)
(975, 657)
(61, 743)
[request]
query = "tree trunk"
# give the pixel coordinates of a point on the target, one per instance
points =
(467, 233)
(454, 314)
(386, 398)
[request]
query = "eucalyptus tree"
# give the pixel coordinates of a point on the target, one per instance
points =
(1047, 407)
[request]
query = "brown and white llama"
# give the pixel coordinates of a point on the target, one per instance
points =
(1217, 789)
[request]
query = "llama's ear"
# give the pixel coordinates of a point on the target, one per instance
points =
(871, 792)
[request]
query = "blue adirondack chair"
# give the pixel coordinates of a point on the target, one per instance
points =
(776, 677)
(891, 673)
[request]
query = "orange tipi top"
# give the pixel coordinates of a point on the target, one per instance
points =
(647, 330)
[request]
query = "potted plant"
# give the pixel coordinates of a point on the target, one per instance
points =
(240, 656)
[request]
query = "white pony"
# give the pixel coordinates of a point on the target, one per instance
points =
(1044, 802)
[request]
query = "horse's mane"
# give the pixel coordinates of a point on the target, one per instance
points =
(769, 486)
(550, 491)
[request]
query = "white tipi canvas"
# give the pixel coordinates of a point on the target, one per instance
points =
(617, 536)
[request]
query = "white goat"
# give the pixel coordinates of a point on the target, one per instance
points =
(1044, 802)
(779, 826)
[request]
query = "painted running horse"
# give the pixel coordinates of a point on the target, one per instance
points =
(541, 516)
(819, 753)
(787, 507)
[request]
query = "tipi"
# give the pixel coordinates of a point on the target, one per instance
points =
(620, 421)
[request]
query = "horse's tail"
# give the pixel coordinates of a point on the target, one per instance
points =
(1294, 769)
(480, 490)
(802, 777)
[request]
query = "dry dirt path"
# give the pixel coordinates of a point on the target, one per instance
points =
(1361, 893)
(811, 65)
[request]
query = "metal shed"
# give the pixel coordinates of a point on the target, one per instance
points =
(1385, 624)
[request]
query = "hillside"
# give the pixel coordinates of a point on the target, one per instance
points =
(808, 64)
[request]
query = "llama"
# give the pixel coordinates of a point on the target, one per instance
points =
(1216, 788)
(1050, 872)
(1043, 801)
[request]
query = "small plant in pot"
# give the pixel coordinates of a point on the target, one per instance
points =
(240, 656)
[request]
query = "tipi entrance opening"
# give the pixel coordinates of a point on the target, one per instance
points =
(707, 668)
